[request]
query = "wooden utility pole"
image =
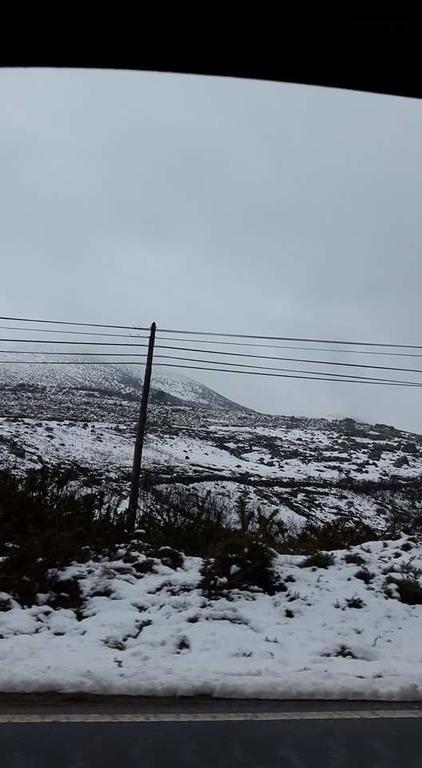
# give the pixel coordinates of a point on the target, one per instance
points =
(140, 432)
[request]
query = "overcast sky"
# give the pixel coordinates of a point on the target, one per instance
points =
(219, 205)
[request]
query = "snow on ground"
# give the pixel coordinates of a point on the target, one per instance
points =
(49, 442)
(108, 445)
(329, 635)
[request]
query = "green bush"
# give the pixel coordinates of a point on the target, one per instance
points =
(343, 652)
(5, 603)
(407, 546)
(354, 602)
(354, 558)
(264, 526)
(195, 524)
(185, 521)
(240, 565)
(64, 593)
(364, 575)
(171, 557)
(46, 522)
(409, 589)
(336, 534)
(318, 560)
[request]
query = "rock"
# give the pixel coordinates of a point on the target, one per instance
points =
(409, 448)
(402, 461)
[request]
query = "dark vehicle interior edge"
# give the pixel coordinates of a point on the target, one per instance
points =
(367, 51)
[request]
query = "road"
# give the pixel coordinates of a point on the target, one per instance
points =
(58, 732)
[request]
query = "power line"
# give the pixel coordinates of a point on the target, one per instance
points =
(285, 376)
(217, 352)
(74, 333)
(289, 359)
(381, 382)
(287, 346)
(210, 362)
(73, 354)
(69, 362)
(293, 338)
(215, 333)
(206, 341)
(79, 343)
(291, 370)
(68, 322)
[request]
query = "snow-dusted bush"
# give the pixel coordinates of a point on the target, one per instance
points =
(407, 588)
(46, 522)
(319, 560)
(354, 558)
(364, 575)
(239, 564)
(335, 534)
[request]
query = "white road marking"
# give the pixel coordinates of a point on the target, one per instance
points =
(209, 717)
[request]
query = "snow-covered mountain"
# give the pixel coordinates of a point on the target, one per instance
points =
(83, 415)
(58, 391)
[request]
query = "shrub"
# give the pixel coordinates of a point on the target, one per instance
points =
(5, 603)
(336, 534)
(183, 644)
(185, 521)
(46, 522)
(409, 589)
(354, 558)
(240, 565)
(364, 575)
(318, 560)
(406, 547)
(354, 602)
(243, 512)
(410, 569)
(343, 652)
(267, 527)
(144, 566)
(64, 593)
(171, 557)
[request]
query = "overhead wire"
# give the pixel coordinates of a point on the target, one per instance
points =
(73, 333)
(329, 378)
(217, 352)
(215, 333)
(292, 338)
(290, 370)
(289, 359)
(210, 362)
(69, 322)
(289, 346)
(207, 341)
(79, 343)
(285, 376)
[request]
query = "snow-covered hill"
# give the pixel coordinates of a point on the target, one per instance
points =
(87, 392)
(84, 415)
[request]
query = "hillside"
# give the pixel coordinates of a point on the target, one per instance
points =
(83, 416)
(189, 603)
(55, 390)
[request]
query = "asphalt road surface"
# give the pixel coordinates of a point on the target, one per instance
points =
(52, 732)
